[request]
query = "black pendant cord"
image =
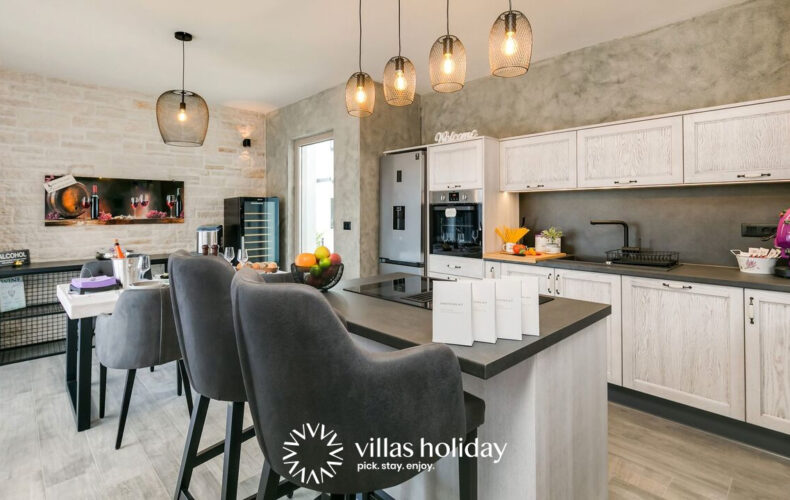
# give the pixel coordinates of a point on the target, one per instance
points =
(183, 68)
(360, 36)
(399, 47)
(448, 17)
(510, 5)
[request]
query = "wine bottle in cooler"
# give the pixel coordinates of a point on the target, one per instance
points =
(95, 202)
(179, 203)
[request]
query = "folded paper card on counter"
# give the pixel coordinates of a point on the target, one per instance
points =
(508, 309)
(12, 294)
(484, 310)
(530, 305)
(452, 312)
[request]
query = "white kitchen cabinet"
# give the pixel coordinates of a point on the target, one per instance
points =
(545, 275)
(460, 267)
(741, 144)
(604, 289)
(768, 359)
(641, 153)
(458, 165)
(684, 342)
(545, 162)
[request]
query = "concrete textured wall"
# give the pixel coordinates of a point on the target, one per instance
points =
(735, 54)
(358, 145)
(701, 222)
(51, 126)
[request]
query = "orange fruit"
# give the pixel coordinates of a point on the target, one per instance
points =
(305, 260)
(321, 252)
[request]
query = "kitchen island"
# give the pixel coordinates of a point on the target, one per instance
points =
(546, 396)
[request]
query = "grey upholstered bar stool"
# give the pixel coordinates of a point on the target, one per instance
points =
(140, 333)
(200, 288)
(304, 369)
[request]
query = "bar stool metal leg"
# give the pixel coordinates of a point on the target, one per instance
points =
(182, 369)
(467, 472)
(102, 389)
(127, 396)
(233, 440)
(188, 461)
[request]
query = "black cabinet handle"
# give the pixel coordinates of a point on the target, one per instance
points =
(753, 176)
(632, 181)
(677, 287)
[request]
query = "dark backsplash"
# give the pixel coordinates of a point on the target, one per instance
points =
(701, 222)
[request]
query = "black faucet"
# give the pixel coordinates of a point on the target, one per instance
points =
(625, 231)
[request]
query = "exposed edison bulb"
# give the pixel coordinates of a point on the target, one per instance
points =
(360, 94)
(448, 66)
(400, 80)
(182, 112)
(509, 46)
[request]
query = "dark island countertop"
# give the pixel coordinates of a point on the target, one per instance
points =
(695, 273)
(401, 326)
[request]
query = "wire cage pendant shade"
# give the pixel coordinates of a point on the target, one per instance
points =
(182, 116)
(510, 44)
(360, 89)
(447, 64)
(399, 82)
(360, 95)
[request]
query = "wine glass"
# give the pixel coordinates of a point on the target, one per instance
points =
(229, 254)
(171, 202)
(144, 265)
(144, 200)
(85, 202)
(243, 256)
(135, 202)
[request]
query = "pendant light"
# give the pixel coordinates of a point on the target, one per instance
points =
(400, 77)
(182, 115)
(360, 90)
(510, 44)
(447, 61)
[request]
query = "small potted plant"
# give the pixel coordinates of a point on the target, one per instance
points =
(549, 240)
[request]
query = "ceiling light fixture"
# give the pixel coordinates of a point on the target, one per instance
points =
(510, 44)
(400, 77)
(182, 115)
(447, 61)
(360, 90)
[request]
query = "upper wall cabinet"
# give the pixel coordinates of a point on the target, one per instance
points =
(544, 162)
(457, 165)
(648, 152)
(746, 143)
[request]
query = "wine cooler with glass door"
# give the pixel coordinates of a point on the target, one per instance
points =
(254, 224)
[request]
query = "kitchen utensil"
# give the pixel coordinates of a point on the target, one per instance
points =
(755, 265)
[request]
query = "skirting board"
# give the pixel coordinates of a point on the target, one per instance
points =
(752, 435)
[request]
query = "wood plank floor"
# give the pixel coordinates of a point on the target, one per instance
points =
(42, 456)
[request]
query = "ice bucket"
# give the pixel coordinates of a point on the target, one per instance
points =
(127, 270)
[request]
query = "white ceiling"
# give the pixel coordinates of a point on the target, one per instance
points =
(263, 54)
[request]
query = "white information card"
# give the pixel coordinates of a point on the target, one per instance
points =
(484, 311)
(452, 312)
(508, 309)
(530, 306)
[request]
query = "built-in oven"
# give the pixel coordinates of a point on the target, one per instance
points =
(456, 223)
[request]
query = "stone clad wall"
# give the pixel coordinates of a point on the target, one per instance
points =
(51, 126)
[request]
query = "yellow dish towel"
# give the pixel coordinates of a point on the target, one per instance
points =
(511, 235)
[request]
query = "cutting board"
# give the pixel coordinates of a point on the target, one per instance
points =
(522, 259)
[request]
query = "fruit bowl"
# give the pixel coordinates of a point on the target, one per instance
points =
(327, 278)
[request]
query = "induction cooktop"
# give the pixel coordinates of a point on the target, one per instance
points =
(413, 290)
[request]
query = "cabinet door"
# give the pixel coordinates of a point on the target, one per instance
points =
(684, 342)
(456, 166)
(632, 154)
(743, 144)
(545, 275)
(604, 289)
(768, 359)
(538, 163)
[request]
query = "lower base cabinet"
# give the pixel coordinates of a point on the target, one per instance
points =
(604, 289)
(684, 342)
(768, 359)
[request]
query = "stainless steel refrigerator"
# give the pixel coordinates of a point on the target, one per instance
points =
(402, 212)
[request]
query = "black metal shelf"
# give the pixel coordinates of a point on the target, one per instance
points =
(33, 311)
(24, 353)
